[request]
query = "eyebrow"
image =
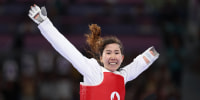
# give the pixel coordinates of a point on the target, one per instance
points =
(110, 50)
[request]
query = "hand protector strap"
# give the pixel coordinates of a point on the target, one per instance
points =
(37, 15)
(151, 54)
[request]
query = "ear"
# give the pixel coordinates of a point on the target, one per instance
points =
(122, 58)
(101, 59)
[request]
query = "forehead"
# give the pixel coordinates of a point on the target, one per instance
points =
(113, 46)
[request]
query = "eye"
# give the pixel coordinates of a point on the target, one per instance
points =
(108, 53)
(116, 52)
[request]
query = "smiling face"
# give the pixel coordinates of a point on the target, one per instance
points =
(112, 57)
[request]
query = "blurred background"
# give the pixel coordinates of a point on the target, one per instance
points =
(30, 69)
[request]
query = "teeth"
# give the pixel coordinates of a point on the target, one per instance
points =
(113, 63)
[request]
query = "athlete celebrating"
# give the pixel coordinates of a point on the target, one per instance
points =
(103, 79)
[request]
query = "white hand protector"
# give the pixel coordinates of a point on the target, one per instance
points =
(151, 54)
(37, 15)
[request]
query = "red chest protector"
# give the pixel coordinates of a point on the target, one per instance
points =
(111, 88)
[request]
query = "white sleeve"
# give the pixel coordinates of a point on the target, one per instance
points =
(66, 49)
(136, 67)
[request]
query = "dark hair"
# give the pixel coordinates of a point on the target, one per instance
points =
(97, 44)
(110, 40)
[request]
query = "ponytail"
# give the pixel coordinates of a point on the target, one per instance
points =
(94, 40)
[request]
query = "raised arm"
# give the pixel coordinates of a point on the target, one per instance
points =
(140, 64)
(58, 41)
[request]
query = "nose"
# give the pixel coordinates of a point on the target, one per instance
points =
(112, 57)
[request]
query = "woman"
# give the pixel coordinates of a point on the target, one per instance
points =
(102, 78)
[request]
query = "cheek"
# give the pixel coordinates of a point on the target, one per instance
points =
(103, 58)
(121, 58)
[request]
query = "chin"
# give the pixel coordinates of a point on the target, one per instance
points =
(112, 70)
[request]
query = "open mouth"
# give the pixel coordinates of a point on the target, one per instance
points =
(113, 63)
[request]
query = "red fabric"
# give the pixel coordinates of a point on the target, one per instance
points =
(111, 88)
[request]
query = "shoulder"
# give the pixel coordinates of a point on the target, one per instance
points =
(93, 61)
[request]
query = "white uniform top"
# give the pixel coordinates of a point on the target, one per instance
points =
(89, 68)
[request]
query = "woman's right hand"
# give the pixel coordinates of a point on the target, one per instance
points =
(36, 14)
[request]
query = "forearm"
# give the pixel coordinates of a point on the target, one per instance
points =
(140, 64)
(62, 45)
(135, 68)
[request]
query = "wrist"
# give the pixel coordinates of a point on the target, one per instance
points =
(150, 55)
